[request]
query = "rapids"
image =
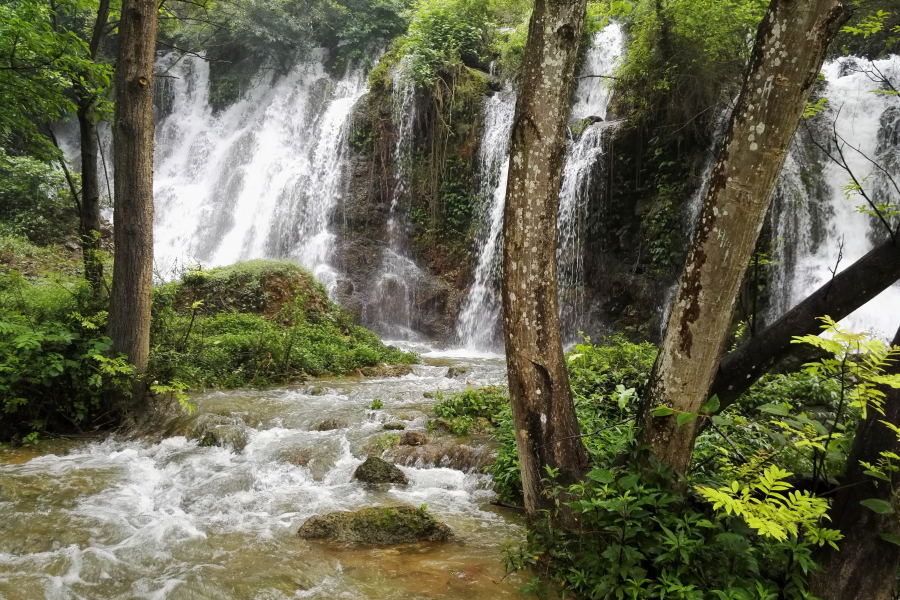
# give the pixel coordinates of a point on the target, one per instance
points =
(174, 519)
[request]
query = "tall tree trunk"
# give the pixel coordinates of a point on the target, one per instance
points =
(543, 413)
(866, 565)
(787, 55)
(90, 179)
(90, 194)
(849, 290)
(129, 313)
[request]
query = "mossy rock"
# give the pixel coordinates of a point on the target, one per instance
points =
(398, 426)
(386, 370)
(376, 470)
(331, 424)
(457, 372)
(383, 525)
(414, 438)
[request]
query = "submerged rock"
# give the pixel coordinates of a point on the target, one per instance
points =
(383, 525)
(329, 424)
(414, 438)
(376, 470)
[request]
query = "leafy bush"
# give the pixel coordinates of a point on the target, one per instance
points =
(474, 408)
(260, 322)
(35, 200)
(55, 372)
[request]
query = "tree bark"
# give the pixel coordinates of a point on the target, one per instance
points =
(543, 413)
(849, 290)
(129, 313)
(787, 55)
(90, 179)
(866, 565)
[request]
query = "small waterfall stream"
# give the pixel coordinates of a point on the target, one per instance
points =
(478, 325)
(261, 178)
(813, 219)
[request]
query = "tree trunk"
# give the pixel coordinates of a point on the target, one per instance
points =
(849, 290)
(788, 53)
(866, 565)
(90, 194)
(543, 413)
(90, 179)
(129, 313)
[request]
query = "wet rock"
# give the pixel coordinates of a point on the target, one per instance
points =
(386, 371)
(376, 470)
(319, 456)
(457, 372)
(447, 454)
(383, 525)
(218, 430)
(395, 426)
(428, 394)
(330, 424)
(414, 438)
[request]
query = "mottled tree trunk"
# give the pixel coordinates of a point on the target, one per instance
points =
(543, 413)
(90, 194)
(90, 179)
(866, 565)
(787, 55)
(129, 313)
(849, 290)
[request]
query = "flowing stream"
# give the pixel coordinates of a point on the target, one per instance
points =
(174, 519)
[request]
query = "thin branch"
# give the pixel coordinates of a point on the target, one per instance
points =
(836, 265)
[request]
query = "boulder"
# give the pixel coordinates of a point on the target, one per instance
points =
(397, 426)
(386, 371)
(414, 438)
(457, 372)
(218, 430)
(383, 525)
(376, 470)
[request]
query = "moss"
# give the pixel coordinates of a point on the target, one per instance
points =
(382, 525)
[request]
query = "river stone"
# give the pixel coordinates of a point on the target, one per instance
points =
(414, 438)
(395, 426)
(386, 371)
(329, 424)
(382, 525)
(219, 430)
(457, 372)
(376, 470)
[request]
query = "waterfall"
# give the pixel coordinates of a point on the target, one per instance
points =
(478, 325)
(262, 178)
(812, 219)
(395, 288)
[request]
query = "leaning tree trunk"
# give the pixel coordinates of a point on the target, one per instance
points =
(847, 291)
(90, 194)
(787, 55)
(546, 428)
(129, 313)
(866, 565)
(90, 179)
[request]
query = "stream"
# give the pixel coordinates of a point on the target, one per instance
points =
(175, 519)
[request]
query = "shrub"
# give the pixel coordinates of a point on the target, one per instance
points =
(466, 410)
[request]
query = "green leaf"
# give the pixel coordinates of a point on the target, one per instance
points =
(686, 418)
(775, 409)
(629, 481)
(890, 537)
(722, 421)
(711, 406)
(879, 506)
(602, 475)
(662, 411)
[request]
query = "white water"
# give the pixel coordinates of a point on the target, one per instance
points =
(260, 179)
(812, 214)
(174, 519)
(478, 323)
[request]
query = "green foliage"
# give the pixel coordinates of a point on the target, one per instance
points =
(377, 404)
(55, 368)
(259, 323)
(35, 200)
(386, 441)
(474, 408)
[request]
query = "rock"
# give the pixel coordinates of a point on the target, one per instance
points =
(72, 246)
(329, 424)
(219, 430)
(428, 394)
(457, 372)
(387, 525)
(448, 454)
(376, 470)
(395, 426)
(386, 371)
(414, 438)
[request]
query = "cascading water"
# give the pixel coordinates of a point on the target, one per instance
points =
(260, 179)
(813, 220)
(479, 320)
(394, 293)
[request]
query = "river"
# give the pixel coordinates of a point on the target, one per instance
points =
(170, 518)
